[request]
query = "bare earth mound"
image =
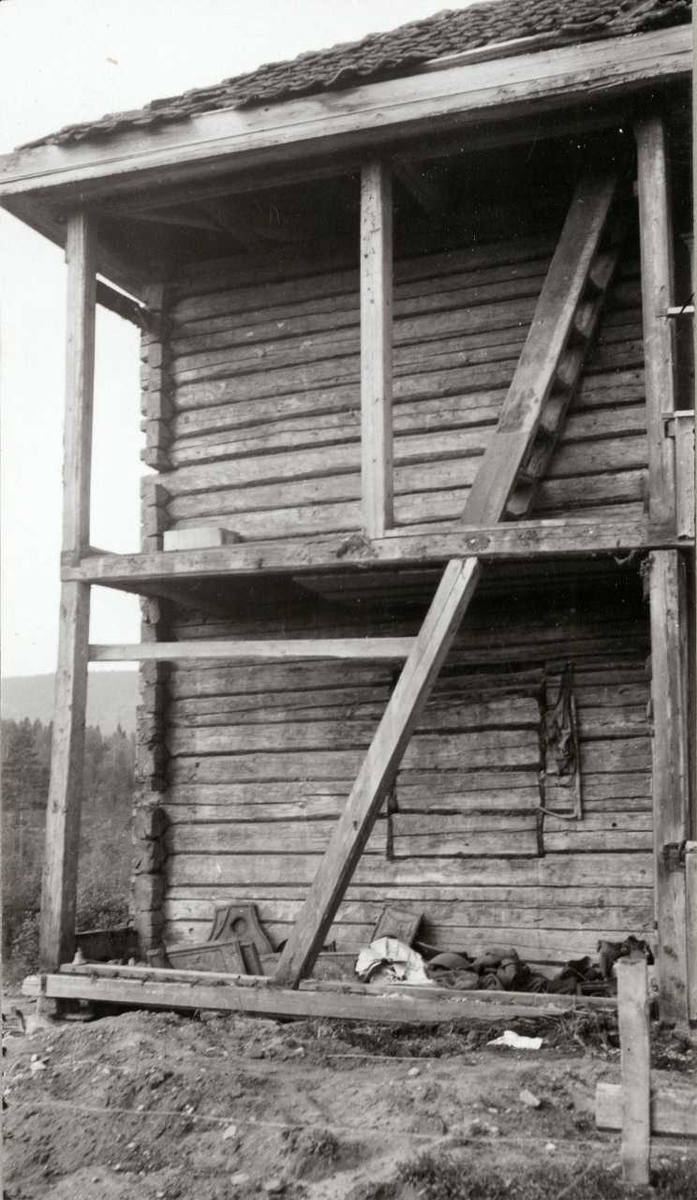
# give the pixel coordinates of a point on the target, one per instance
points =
(157, 1106)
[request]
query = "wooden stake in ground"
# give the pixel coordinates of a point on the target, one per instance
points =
(633, 1011)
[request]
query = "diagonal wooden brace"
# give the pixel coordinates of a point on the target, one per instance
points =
(565, 289)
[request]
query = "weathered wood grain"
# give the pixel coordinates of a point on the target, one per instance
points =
(657, 271)
(635, 1058)
(59, 885)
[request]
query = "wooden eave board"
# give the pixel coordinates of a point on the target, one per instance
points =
(375, 114)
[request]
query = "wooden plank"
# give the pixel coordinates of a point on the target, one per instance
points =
(59, 886)
(555, 870)
(456, 97)
(244, 651)
(376, 348)
(443, 748)
(415, 1007)
(262, 837)
(429, 435)
(635, 1058)
(657, 284)
(466, 918)
(671, 786)
(568, 904)
(553, 538)
(377, 771)
(673, 1109)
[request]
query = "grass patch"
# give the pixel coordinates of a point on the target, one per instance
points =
(442, 1176)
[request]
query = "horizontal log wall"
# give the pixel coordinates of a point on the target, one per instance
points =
(262, 758)
(263, 422)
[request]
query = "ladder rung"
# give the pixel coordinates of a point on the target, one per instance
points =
(552, 414)
(570, 367)
(585, 319)
(601, 271)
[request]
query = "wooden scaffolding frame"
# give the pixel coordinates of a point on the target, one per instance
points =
(515, 460)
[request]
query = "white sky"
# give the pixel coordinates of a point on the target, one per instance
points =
(73, 60)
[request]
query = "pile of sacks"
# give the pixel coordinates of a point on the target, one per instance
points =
(499, 968)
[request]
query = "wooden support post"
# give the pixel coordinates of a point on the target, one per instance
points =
(376, 348)
(57, 933)
(633, 1013)
(691, 888)
(668, 587)
(669, 693)
(657, 288)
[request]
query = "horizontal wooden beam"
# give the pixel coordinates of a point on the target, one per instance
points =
(156, 988)
(673, 1110)
(574, 121)
(372, 115)
(384, 649)
(519, 540)
(125, 306)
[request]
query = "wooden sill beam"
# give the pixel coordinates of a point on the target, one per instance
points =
(520, 540)
(153, 988)
(375, 114)
(367, 649)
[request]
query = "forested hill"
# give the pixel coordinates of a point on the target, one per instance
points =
(111, 699)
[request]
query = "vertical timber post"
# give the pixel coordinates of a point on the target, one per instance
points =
(376, 349)
(59, 890)
(633, 1017)
(668, 584)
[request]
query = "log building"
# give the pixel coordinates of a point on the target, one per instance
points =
(417, 558)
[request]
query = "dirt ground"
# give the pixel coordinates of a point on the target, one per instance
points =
(163, 1106)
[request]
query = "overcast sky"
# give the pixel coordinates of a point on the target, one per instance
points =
(72, 60)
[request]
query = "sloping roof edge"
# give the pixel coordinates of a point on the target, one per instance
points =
(492, 27)
(285, 136)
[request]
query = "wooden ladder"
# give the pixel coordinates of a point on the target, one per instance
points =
(515, 460)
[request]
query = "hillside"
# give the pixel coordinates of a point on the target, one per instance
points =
(111, 699)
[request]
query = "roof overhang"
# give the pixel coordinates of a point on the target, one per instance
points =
(333, 121)
(41, 183)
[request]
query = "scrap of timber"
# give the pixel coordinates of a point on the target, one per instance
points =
(532, 415)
